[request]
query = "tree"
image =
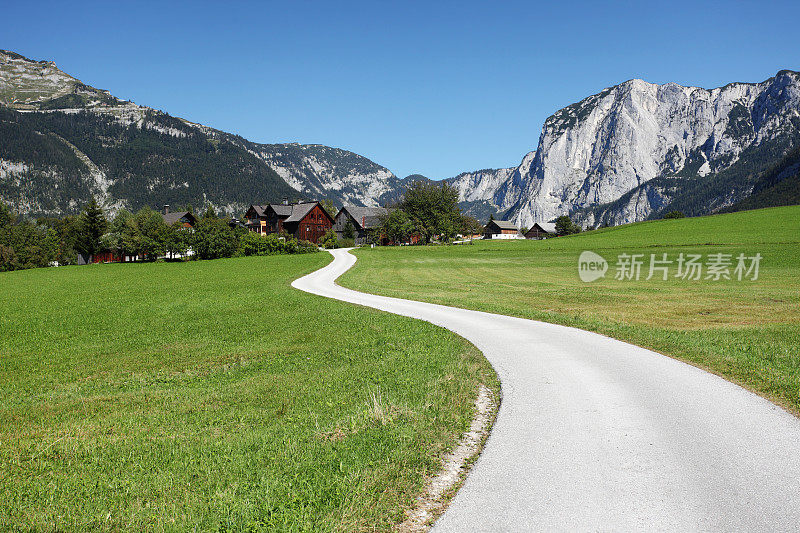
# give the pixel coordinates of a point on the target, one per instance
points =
(93, 225)
(24, 244)
(433, 208)
(176, 241)
(149, 233)
(470, 226)
(396, 226)
(565, 226)
(329, 240)
(210, 213)
(327, 204)
(673, 214)
(214, 238)
(349, 231)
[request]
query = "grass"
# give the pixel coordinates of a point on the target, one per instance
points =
(747, 331)
(213, 396)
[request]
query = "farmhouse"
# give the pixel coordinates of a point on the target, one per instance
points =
(541, 230)
(501, 229)
(305, 220)
(186, 218)
(361, 219)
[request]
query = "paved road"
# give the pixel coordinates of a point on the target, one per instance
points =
(596, 434)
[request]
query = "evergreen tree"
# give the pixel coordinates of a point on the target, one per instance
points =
(565, 226)
(93, 225)
(349, 232)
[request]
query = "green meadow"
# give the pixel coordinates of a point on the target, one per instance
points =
(747, 331)
(211, 395)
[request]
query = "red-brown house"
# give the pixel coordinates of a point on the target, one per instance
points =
(305, 220)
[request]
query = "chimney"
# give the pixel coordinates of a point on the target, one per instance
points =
(166, 209)
(285, 200)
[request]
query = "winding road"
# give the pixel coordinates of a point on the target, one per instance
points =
(596, 434)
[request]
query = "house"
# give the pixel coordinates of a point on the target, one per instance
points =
(186, 218)
(541, 230)
(304, 220)
(501, 229)
(362, 219)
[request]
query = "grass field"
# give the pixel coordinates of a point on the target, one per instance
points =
(747, 331)
(212, 396)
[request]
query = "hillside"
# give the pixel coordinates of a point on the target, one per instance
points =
(63, 140)
(628, 153)
(746, 330)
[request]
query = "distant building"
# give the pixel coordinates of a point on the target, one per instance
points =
(305, 220)
(501, 229)
(541, 230)
(362, 219)
(186, 218)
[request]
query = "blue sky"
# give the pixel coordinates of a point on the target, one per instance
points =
(435, 88)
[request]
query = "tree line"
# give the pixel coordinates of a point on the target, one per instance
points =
(142, 235)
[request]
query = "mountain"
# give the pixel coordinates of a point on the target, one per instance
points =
(62, 141)
(627, 153)
(638, 149)
(780, 185)
(486, 192)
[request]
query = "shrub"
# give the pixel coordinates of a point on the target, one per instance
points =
(673, 214)
(565, 226)
(330, 240)
(273, 244)
(346, 243)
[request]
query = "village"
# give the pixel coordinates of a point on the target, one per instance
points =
(313, 222)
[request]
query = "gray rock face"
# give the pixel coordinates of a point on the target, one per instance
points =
(613, 143)
(323, 172)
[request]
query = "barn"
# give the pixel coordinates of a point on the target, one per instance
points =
(501, 229)
(304, 220)
(361, 219)
(541, 230)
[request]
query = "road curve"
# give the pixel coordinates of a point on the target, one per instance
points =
(596, 434)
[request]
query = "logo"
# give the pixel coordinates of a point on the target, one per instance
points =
(591, 266)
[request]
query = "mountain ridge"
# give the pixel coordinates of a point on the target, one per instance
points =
(627, 153)
(220, 169)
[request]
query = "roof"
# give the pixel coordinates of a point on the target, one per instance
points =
(503, 224)
(549, 227)
(366, 217)
(259, 209)
(299, 211)
(173, 217)
(282, 210)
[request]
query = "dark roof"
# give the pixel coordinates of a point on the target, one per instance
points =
(282, 210)
(173, 217)
(287, 212)
(299, 211)
(259, 209)
(503, 224)
(549, 227)
(370, 216)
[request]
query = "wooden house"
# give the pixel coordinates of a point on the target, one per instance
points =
(305, 220)
(186, 218)
(541, 230)
(501, 229)
(362, 219)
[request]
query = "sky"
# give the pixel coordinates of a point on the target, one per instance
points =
(435, 88)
